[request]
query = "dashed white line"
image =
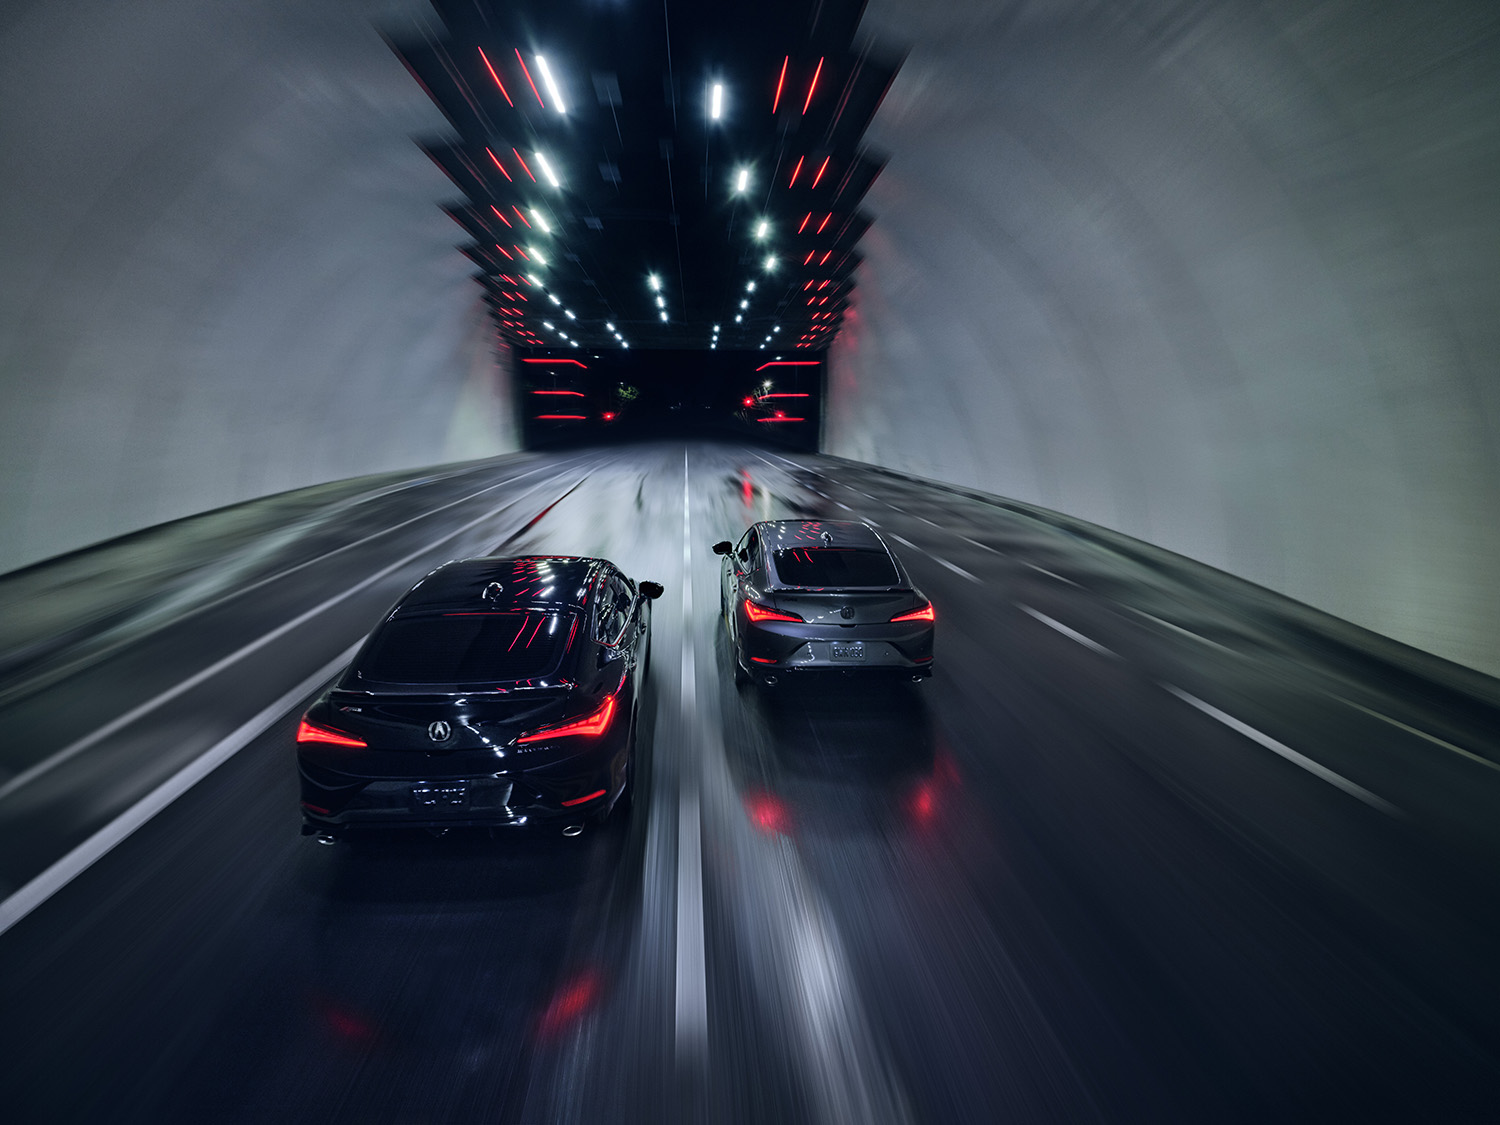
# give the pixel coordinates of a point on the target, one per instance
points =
(954, 567)
(1071, 634)
(1179, 629)
(905, 542)
(841, 504)
(691, 974)
(1049, 574)
(101, 843)
(1337, 780)
(981, 546)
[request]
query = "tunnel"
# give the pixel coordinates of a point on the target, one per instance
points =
(1155, 340)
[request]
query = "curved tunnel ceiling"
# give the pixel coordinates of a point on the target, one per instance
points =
(677, 179)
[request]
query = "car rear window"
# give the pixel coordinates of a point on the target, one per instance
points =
(467, 648)
(835, 566)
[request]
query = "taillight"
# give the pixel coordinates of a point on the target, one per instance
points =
(307, 732)
(757, 612)
(923, 614)
(592, 726)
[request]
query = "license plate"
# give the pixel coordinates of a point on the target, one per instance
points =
(848, 650)
(439, 796)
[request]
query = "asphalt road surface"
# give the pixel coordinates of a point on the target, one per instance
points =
(1152, 845)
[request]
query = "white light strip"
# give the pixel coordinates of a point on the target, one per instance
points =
(718, 107)
(547, 171)
(557, 98)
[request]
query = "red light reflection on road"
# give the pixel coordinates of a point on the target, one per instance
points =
(573, 1000)
(768, 813)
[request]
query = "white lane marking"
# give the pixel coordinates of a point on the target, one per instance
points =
(954, 567)
(893, 508)
(692, 983)
(1432, 738)
(1071, 634)
(930, 523)
(905, 542)
(841, 504)
(1179, 629)
(120, 722)
(1049, 574)
(101, 843)
(1337, 780)
(981, 546)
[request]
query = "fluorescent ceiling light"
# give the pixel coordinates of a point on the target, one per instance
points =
(718, 103)
(547, 171)
(557, 99)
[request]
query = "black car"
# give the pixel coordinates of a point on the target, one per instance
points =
(498, 691)
(804, 596)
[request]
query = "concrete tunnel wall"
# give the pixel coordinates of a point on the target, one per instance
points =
(1224, 277)
(223, 271)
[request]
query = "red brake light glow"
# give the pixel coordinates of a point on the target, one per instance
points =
(765, 613)
(306, 732)
(591, 726)
(776, 101)
(923, 614)
(496, 77)
(594, 796)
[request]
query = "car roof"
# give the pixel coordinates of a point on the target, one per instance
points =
(524, 582)
(800, 534)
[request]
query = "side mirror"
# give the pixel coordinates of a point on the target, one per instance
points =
(652, 590)
(723, 548)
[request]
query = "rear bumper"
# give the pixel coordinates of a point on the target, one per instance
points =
(801, 646)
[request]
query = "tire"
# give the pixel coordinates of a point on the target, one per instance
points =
(620, 810)
(741, 677)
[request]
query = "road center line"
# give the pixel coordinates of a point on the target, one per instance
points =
(42, 887)
(692, 983)
(120, 722)
(1337, 780)
(1071, 634)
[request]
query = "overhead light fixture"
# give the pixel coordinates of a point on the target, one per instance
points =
(557, 98)
(750, 286)
(744, 304)
(716, 327)
(569, 314)
(716, 110)
(531, 277)
(611, 327)
(664, 314)
(738, 318)
(540, 222)
(770, 263)
(547, 324)
(541, 162)
(537, 256)
(623, 344)
(553, 298)
(661, 302)
(654, 282)
(777, 328)
(762, 229)
(742, 181)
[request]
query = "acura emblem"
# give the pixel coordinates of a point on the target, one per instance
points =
(847, 611)
(439, 731)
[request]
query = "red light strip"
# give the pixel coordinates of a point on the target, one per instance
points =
(822, 285)
(788, 363)
(504, 251)
(823, 261)
(824, 223)
(574, 394)
(522, 297)
(496, 77)
(790, 394)
(496, 159)
(498, 215)
(591, 797)
(808, 286)
(562, 418)
(822, 169)
(574, 362)
(508, 278)
(526, 72)
(795, 170)
(520, 216)
(521, 252)
(813, 87)
(781, 419)
(809, 257)
(806, 219)
(523, 165)
(776, 101)
(594, 724)
(307, 732)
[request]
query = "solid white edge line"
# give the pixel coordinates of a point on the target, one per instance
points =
(691, 999)
(1071, 634)
(62, 872)
(1338, 781)
(140, 710)
(954, 567)
(1432, 738)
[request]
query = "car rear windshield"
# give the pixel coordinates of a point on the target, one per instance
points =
(467, 648)
(835, 566)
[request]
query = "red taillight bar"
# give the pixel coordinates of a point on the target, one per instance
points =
(923, 614)
(592, 726)
(307, 732)
(756, 612)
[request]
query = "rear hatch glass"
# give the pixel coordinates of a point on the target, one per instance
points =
(463, 649)
(836, 567)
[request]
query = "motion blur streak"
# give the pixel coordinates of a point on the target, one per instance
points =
(1036, 887)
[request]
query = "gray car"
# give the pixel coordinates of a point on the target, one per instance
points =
(808, 596)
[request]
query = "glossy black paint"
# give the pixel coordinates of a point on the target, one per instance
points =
(467, 754)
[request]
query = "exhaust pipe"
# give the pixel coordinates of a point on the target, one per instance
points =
(770, 681)
(573, 830)
(327, 838)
